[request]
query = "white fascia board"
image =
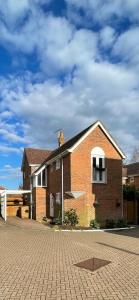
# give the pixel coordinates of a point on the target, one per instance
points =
(39, 171)
(15, 192)
(57, 157)
(34, 165)
(98, 123)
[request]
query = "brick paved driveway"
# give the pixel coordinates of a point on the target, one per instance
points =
(37, 263)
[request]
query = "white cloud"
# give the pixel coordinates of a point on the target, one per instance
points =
(8, 172)
(12, 137)
(13, 11)
(92, 88)
(107, 36)
(58, 44)
(127, 47)
(96, 91)
(103, 11)
(7, 149)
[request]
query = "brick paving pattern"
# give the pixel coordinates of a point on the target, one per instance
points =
(38, 263)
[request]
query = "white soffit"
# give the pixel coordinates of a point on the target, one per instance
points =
(39, 170)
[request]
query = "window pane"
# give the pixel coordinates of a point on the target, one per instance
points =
(94, 174)
(100, 162)
(39, 179)
(100, 175)
(94, 162)
(44, 177)
(94, 169)
(57, 164)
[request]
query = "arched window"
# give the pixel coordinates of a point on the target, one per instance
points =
(98, 165)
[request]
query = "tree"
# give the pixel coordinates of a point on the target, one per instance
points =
(20, 186)
(135, 155)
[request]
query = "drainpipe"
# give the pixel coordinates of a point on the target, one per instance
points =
(122, 201)
(31, 188)
(5, 206)
(62, 192)
(31, 204)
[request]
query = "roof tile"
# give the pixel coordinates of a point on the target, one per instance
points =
(36, 156)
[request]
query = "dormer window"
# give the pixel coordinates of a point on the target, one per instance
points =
(98, 165)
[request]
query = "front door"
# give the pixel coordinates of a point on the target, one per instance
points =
(51, 205)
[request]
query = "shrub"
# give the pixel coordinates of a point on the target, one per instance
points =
(58, 220)
(70, 217)
(110, 223)
(94, 224)
(121, 223)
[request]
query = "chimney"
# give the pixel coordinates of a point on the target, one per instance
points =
(61, 139)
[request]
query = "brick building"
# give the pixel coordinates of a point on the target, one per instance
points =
(131, 179)
(84, 173)
(32, 159)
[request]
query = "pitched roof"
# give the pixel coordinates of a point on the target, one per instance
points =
(68, 144)
(133, 169)
(36, 156)
(73, 142)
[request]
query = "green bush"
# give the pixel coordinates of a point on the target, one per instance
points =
(110, 223)
(121, 223)
(94, 224)
(71, 217)
(58, 220)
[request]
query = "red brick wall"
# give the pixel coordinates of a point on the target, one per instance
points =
(77, 177)
(54, 182)
(107, 194)
(39, 203)
(27, 173)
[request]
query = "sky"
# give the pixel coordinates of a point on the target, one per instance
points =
(63, 65)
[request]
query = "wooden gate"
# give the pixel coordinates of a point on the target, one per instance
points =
(131, 212)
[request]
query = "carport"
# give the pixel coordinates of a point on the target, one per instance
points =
(3, 200)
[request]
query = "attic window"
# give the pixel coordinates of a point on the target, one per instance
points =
(98, 165)
(57, 164)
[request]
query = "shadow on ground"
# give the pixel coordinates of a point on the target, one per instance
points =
(127, 232)
(117, 248)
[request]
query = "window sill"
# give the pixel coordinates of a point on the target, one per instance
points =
(41, 186)
(99, 182)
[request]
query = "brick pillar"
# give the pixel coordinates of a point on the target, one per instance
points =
(39, 203)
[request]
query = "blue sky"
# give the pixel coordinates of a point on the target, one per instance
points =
(65, 64)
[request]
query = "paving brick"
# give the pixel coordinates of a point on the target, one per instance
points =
(38, 263)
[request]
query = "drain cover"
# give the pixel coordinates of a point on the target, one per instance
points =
(92, 264)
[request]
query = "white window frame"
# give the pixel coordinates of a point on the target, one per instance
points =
(40, 173)
(58, 164)
(58, 198)
(98, 153)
